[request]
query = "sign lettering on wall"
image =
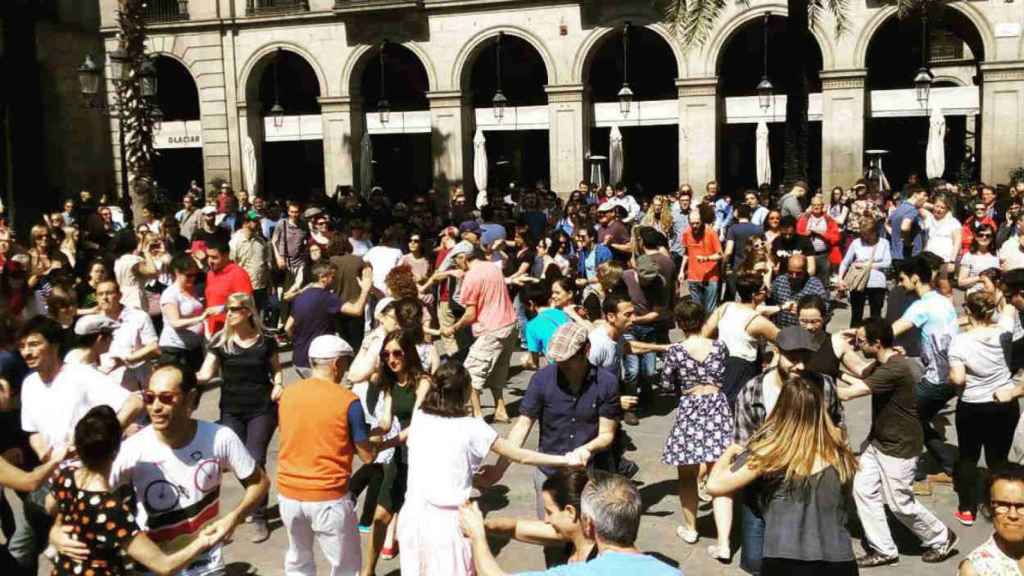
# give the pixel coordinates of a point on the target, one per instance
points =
(179, 134)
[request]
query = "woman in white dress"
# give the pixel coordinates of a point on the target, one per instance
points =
(446, 446)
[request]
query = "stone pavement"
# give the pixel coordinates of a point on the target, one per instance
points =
(514, 497)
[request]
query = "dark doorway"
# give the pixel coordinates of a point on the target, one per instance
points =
(521, 157)
(651, 155)
(293, 170)
(175, 168)
(738, 170)
(402, 165)
(906, 139)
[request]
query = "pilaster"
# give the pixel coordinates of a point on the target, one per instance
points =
(1002, 119)
(843, 111)
(698, 132)
(568, 135)
(450, 116)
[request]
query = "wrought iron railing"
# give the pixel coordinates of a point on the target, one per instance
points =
(166, 10)
(275, 6)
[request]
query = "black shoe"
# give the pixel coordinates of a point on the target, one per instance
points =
(631, 419)
(873, 559)
(628, 468)
(943, 552)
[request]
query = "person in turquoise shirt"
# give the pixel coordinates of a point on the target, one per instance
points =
(610, 510)
(544, 320)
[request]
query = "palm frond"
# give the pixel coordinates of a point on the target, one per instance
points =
(839, 10)
(693, 20)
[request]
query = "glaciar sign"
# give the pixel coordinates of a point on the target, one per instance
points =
(181, 134)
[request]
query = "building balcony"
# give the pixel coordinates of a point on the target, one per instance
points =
(159, 11)
(375, 5)
(264, 7)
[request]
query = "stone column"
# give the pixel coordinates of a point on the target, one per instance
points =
(250, 124)
(1002, 120)
(448, 128)
(340, 147)
(568, 135)
(698, 132)
(843, 112)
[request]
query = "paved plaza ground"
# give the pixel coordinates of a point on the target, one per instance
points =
(514, 497)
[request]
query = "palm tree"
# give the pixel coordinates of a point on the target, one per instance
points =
(135, 111)
(693, 21)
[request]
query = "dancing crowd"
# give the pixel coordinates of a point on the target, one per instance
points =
(378, 328)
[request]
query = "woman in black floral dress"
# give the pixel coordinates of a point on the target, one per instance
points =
(95, 525)
(695, 368)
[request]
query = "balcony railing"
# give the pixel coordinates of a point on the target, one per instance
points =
(166, 10)
(372, 5)
(255, 7)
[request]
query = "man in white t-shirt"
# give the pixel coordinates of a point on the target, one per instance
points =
(175, 467)
(1011, 254)
(135, 342)
(384, 257)
(53, 399)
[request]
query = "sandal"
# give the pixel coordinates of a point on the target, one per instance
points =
(688, 536)
(719, 554)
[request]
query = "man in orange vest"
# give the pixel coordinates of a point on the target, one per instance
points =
(322, 426)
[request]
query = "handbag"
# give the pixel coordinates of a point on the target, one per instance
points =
(856, 278)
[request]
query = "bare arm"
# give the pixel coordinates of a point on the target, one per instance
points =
(505, 449)
(147, 553)
(855, 388)
(723, 480)
(357, 308)
(17, 479)
(605, 435)
(130, 410)
(529, 531)
(957, 374)
(901, 326)
(210, 367)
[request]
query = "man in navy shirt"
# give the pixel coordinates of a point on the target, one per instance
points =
(906, 235)
(576, 403)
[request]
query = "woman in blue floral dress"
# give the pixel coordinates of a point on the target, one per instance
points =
(695, 368)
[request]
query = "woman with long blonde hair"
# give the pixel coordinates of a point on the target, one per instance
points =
(659, 216)
(806, 469)
(252, 382)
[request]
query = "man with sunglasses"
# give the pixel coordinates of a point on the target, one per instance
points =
(887, 465)
(53, 398)
(175, 467)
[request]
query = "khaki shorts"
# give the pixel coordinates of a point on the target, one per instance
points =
(489, 357)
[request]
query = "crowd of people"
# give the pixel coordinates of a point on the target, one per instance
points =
(399, 315)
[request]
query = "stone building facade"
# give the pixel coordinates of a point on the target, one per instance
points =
(228, 46)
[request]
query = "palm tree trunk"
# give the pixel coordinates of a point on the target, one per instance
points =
(796, 50)
(133, 109)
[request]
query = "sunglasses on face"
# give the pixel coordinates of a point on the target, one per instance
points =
(165, 398)
(411, 240)
(392, 354)
(236, 309)
(985, 235)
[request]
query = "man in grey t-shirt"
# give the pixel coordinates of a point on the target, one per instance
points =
(790, 203)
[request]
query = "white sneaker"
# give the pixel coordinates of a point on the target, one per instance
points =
(688, 536)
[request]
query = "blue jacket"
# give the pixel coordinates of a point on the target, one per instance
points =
(602, 255)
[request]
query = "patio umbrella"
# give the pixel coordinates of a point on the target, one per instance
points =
(616, 158)
(935, 153)
(480, 167)
(763, 157)
(366, 163)
(249, 166)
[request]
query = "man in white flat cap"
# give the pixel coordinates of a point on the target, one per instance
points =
(321, 427)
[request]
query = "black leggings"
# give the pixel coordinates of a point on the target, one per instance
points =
(787, 567)
(988, 425)
(369, 478)
(875, 298)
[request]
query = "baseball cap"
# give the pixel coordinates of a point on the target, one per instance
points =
(95, 324)
(606, 206)
(207, 210)
(470, 226)
(567, 340)
(198, 246)
(252, 215)
(329, 346)
(796, 339)
(312, 212)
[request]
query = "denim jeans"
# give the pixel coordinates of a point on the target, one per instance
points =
(521, 319)
(255, 430)
(32, 536)
(752, 548)
(931, 399)
(706, 293)
(639, 370)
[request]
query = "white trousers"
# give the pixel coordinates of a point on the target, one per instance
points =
(333, 524)
(888, 481)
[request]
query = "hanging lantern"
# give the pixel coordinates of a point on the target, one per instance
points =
(923, 85)
(498, 104)
(147, 78)
(625, 93)
(157, 116)
(119, 66)
(89, 78)
(625, 100)
(384, 110)
(277, 113)
(765, 90)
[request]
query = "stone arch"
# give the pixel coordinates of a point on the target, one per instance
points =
(589, 48)
(972, 14)
(254, 67)
(713, 50)
(361, 56)
(951, 79)
(466, 57)
(182, 64)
